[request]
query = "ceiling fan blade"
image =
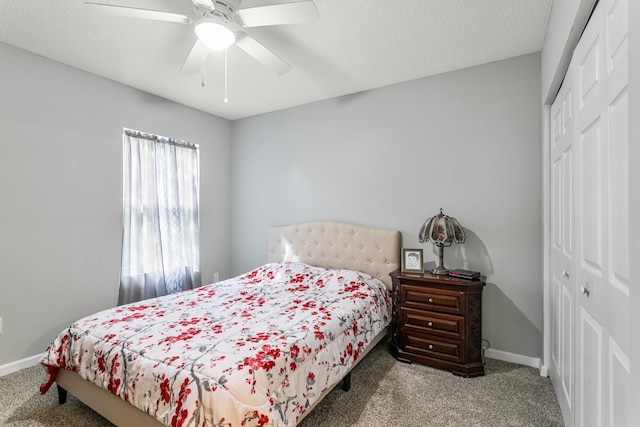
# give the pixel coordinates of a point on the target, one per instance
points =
(261, 54)
(196, 57)
(204, 3)
(132, 12)
(278, 14)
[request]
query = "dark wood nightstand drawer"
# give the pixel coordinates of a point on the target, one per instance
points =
(432, 299)
(430, 346)
(429, 322)
(437, 321)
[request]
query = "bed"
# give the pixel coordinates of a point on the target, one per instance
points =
(260, 349)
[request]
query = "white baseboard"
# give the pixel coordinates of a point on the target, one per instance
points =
(20, 364)
(533, 362)
(544, 371)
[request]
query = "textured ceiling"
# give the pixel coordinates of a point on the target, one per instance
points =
(356, 45)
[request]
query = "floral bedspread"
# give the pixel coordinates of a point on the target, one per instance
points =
(256, 350)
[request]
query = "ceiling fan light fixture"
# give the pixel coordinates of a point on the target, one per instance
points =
(215, 36)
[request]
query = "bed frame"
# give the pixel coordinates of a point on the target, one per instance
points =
(324, 244)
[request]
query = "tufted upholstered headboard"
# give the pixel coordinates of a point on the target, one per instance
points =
(337, 245)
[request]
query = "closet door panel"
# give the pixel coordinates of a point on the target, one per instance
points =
(618, 323)
(590, 208)
(567, 200)
(590, 376)
(619, 386)
(562, 248)
(619, 192)
(618, 226)
(617, 101)
(590, 229)
(591, 179)
(616, 93)
(567, 356)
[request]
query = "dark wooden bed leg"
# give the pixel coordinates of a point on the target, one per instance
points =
(62, 395)
(346, 382)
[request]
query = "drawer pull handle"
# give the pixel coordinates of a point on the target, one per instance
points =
(430, 324)
(430, 299)
(430, 346)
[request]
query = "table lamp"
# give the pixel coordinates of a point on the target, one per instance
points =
(442, 231)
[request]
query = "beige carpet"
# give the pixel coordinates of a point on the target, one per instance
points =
(383, 392)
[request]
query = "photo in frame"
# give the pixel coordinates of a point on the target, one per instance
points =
(412, 261)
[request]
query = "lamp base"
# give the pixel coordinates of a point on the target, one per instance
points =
(440, 271)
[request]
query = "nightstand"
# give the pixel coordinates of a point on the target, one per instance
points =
(437, 321)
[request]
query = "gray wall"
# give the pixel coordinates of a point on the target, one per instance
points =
(61, 190)
(467, 141)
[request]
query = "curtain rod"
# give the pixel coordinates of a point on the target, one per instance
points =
(152, 137)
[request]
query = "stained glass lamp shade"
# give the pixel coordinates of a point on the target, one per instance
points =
(442, 231)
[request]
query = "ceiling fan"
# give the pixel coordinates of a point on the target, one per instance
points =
(220, 26)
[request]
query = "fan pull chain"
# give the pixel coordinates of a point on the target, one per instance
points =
(226, 99)
(203, 84)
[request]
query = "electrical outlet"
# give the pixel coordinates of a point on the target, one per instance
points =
(216, 277)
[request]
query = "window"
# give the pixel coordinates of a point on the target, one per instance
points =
(161, 231)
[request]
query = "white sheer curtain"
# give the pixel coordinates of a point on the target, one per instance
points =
(161, 230)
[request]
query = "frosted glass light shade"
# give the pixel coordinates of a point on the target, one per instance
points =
(215, 36)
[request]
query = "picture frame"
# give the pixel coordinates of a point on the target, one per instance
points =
(412, 260)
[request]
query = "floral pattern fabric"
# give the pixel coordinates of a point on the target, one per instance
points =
(256, 350)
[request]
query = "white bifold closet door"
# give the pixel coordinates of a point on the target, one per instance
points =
(562, 293)
(590, 304)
